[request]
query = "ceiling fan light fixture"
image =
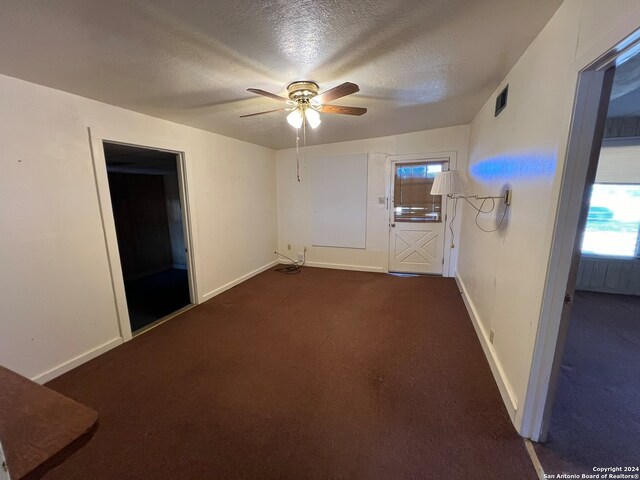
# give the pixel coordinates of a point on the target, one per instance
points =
(295, 118)
(313, 117)
(305, 103)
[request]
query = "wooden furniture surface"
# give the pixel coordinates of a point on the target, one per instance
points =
(39, 428)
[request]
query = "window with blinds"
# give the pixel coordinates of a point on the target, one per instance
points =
(412, 197)
(613, 224)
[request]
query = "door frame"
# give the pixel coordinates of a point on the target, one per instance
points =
(451, 158)
(585, 139)
(96, 142)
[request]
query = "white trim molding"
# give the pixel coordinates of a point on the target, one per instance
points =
(237, 281)
(64, 367)
(506, 390)
(96, 142)
(342, 266)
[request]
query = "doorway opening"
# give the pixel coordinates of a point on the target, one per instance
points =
(146, 199)
(591, 416)
(416, 218)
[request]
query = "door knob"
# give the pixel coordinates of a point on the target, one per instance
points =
(393, 225)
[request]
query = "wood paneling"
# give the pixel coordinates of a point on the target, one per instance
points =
(140, 214)
(609, 275)
(618, 127)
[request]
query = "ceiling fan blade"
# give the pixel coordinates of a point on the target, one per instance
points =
(347, 88)
(343, 110)
(267, 94)
(262, 113)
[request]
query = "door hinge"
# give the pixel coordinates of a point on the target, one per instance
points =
(567, 299)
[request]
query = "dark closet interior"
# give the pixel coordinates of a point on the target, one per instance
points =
(145, 197)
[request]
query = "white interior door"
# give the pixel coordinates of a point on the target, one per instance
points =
(416, 218)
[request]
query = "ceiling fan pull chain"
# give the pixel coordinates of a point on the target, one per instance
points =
(297, 155)
(304, 141)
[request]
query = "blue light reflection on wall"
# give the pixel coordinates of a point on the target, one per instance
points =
(516, 166)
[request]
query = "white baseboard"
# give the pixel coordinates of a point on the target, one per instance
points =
(76, 361)
(341, 266)
(506, 391)
(237, 281)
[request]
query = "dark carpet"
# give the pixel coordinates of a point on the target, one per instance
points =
(323, 375)
(596, 413)
(154, 296)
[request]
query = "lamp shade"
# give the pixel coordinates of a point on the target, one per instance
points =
(449, 182)
(313, 117)
(295, 118)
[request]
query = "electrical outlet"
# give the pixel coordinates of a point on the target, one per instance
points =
(301, 257)
(288, 246)
(491, 337)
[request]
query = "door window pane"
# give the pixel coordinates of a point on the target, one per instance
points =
(412, 200)
(613, 224)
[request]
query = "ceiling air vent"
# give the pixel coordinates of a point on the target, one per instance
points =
(501, 100)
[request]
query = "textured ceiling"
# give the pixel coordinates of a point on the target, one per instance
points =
(419, 64)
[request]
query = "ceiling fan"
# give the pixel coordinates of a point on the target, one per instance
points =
(306, 104)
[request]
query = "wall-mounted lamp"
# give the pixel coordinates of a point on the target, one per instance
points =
(453, 184)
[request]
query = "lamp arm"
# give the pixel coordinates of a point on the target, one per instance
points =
(475, 197)
(506, 197)
(483, 200)
(507, 200)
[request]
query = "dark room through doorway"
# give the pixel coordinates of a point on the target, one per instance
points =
(593, 417)
(146, 198)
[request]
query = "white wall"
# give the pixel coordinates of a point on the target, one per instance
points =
(294, 199)
(503, 274)
(55, 287)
